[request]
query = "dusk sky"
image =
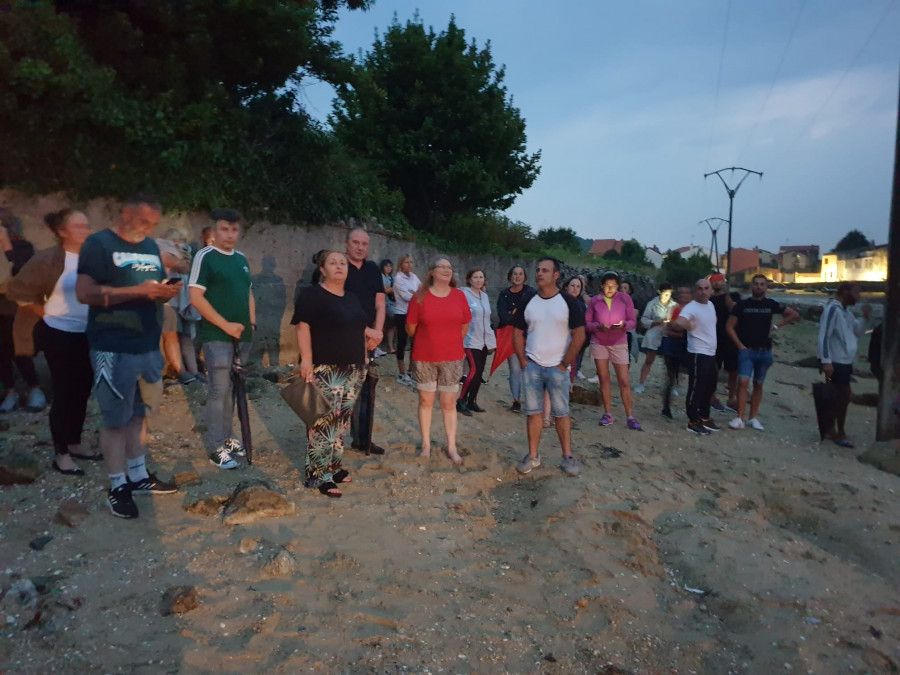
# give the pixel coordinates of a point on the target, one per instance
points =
(631, 102)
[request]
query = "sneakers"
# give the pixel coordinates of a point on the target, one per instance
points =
(717, 406)
(151, 485)
(10, 403)
(710, 425)
(406, 379)
(755, 424)
(528, 463)
(186, 378)
(570, 466)
(698, 428)
(474, 407)
(633, 424)
(235, 447)
(36, 401)
(462, 409)
(639, 389)
(674, 392)
(120, 502)
(223, 459)
(736, 423)
(516, 407)
(606, 420)
(580, 376)
(667, 413)
(594, 380)
(379, 352)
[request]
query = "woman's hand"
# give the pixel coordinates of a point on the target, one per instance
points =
(373, 338)
(306, 371)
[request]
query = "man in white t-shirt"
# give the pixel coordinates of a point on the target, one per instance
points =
(698, 318)
(549, 332)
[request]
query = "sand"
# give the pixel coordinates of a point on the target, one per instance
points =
(742, 552)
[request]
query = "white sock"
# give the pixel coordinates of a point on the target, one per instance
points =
(137, 469)
(116, 480)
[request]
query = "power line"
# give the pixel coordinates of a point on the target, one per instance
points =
(712, 131)
(732, 191)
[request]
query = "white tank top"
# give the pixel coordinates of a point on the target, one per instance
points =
(62, 310)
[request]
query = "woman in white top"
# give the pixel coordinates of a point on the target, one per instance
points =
(655, 319)
(45, 289)
(479, 341)
(406, 283)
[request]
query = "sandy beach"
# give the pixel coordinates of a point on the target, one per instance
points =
(742, 552)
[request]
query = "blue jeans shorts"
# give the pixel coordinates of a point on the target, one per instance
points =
(536, 380)
(127, 385)
(755, 363)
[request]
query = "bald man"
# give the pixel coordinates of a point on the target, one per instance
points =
(698, 318)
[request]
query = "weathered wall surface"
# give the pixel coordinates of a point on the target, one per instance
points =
(279, 258)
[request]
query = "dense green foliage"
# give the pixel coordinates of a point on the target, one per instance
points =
(684, 271)
(563, 237)
(431, 114)
(853, 239)
(186, 98)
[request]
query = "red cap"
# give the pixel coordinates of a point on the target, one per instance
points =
(717, 277)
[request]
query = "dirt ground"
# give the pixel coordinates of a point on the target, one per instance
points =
(742, 552)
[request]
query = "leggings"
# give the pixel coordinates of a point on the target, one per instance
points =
(402, 337)
(339, 386)
(72, 377)
(702, 374)
(476, 359)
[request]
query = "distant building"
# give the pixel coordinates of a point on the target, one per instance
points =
(688, 251)
(654, 257)
(601, 247)
(743, 261)
(859, 264)
(798, 258)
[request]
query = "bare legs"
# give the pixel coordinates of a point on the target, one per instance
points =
(122, 443)
(621, 380)
(755, 398)
(649, 358)
(447, 401)
(563, 432)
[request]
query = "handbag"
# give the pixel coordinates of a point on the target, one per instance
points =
(305, 399)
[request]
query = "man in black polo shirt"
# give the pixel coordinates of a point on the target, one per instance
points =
(749, 327)
(364, 279)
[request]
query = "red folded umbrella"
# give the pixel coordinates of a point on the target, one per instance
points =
(504, 347)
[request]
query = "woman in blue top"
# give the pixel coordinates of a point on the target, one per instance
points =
(479, 341)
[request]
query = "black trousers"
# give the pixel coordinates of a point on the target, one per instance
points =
(363, 418)
(72, 376)
(25, 364)
(476, 358)
(402, 337)
(702, 377)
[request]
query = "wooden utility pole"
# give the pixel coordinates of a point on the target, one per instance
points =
(888, 426)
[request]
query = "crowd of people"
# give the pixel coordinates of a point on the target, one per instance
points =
(110, 309)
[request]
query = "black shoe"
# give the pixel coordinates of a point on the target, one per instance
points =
(666, 413)
(371, 450)
(710, 425)
(67, 472)
(515, 407)
(462, 409)
(474, 407)
(151, 485)
(120, 502)
(698, 428)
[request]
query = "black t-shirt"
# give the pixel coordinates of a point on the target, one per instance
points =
(722, 313)
(366, 283)
(755, 321)
(337, 325)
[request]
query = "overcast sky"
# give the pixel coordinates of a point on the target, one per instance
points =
(632, 101)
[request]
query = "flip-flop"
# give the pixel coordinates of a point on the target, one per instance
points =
(96, 457)
(342, 476)
(845, 443)
(326, 489)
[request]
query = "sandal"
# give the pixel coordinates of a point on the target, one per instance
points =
(342, 476)
(331, 490)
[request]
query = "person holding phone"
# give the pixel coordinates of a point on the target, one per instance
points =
(610, 315)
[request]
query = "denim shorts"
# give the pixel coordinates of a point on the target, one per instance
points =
(127, 385)
(755, 363)
(536, 380)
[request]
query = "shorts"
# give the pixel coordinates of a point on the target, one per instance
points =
(842, 373)
(437, 375)
(127, 385)
(170, 319)
(726, 354)
(615, 354)
(755, 363)
(537, 379)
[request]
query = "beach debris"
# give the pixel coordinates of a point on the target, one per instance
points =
(698, 591)
(252, 500)
(813, 621)
(178, 600)
(71, 513)
(187, 479)
(208, 506)
(283, 563)
(39, 543)
(875, 633)
(609, 452)
(18, 468)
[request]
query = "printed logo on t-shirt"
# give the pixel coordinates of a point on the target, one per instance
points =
(139, 262)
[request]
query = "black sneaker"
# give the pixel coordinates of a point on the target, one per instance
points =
(474, 407)
(372, 449)
(710, 425)
(666, 413)
(151, 485)
(120, 502)
(462, 409)
(515, 407)
(698, 428)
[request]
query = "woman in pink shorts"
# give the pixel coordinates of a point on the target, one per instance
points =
(610, 316)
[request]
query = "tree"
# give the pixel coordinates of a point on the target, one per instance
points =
(563, 237)
(632, 252)
(432, 115)
(853, 239)
(680, 271)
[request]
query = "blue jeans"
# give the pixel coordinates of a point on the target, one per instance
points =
(515, 377)
(219, 399)
(536, 380)
(755, 363)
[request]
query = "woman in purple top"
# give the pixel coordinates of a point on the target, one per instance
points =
(610, 315)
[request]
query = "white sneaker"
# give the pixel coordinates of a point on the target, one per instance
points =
(594, 380)
(10, 403)
(755, 424)
(223, 459)
(36, 401)
(379, 352)
(736, 423)
(580, 376)
(639, 389)
(674, 392)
